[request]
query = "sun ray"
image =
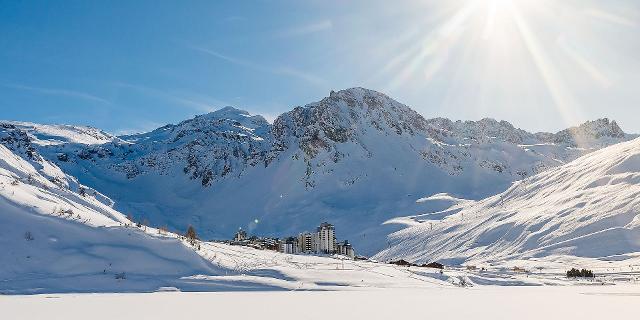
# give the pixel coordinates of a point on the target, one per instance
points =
(610, 17)
(434, 45)
(587, 66)
(491, 17)
(562, 97)
(509, 54)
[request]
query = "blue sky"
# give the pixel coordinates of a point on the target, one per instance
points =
(135, 65)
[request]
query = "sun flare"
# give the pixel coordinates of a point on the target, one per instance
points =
(501, 44)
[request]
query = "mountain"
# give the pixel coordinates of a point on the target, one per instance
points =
(61, 134)
(589, 208)
(357, 158)
(59, 236)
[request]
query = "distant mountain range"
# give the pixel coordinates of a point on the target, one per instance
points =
(357, 158)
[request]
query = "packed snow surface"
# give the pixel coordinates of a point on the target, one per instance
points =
(525, 303)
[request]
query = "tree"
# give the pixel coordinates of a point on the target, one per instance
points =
(584, 273)
(191, 235)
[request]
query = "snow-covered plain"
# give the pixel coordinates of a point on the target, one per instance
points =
(575, 302)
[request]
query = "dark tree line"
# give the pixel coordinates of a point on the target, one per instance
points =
(575, 273)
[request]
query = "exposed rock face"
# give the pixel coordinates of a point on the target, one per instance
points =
(18, 141)
(598, 131)
(226, 142)
(345, 116)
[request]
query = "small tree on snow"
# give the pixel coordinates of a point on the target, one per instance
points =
(191, 235)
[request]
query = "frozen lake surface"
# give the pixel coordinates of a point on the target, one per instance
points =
(487, 302)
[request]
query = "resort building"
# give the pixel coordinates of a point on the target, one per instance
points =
(290, 245)
(241, 235)
(344, 248)
(322, 241)
(326, 238)
(306, 242)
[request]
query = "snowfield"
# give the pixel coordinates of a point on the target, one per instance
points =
(47, 250)
(53, 257)
(587, 210)
(506, 256)
(59, 236)
(575, 302)
(53, 239)
(51, 134)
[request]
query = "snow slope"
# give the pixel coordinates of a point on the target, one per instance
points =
(58, 236)
(53, 239)
(587, 209)
(57, 240)
(357, 158)
(47, 134)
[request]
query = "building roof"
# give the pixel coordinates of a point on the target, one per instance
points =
(325, 225)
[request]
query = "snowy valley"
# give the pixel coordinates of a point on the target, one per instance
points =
(278, 159)
(85, 211)
(356, 158)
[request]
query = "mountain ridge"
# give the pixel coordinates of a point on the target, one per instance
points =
(356, 158)
(587, 208)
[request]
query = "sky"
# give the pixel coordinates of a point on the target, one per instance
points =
(132, 66)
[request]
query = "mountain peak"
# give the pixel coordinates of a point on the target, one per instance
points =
(357, 91)
(229, 110)
(346, 115)
(602, 128)
(238, 116)
(590, 131)
(358, 96)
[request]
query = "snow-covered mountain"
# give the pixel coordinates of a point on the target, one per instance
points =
(61, 134)
(59, 236)
(356, 158)
(588, 208)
